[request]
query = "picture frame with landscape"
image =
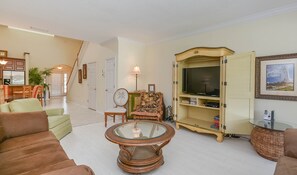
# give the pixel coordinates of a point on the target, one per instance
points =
(276, 77)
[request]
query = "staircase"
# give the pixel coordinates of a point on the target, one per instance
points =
(77, 64)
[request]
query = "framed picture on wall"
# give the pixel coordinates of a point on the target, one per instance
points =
(84, 71)
(79, 76)
(276, 77)
(151, 88)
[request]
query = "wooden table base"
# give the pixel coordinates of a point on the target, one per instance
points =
(140, 159)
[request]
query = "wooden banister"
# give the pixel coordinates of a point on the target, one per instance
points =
(75, 62)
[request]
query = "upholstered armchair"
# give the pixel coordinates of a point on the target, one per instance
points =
(59, 123)
(150, 106)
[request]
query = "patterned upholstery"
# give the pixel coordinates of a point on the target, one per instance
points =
(150, 107)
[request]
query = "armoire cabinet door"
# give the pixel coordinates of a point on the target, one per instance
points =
(239, 93)
(174, 89)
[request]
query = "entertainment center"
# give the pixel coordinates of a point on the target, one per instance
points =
(213, 91)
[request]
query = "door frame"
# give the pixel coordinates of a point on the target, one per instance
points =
(115, 77)
(95, 79)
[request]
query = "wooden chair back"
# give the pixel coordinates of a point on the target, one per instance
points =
(38, 93)
(27, 91)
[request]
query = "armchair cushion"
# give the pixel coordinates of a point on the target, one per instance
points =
(4, 107)
(19, 124)
(54, 111)
(57, 120)
(25, 105)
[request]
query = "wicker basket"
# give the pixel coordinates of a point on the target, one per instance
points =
(268, 143)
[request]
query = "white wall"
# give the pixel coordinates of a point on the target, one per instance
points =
(79, 92)
(131, 53)
(127, 53)
(270, 36)
(45, 51)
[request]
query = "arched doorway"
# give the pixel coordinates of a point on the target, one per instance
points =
(58, 80)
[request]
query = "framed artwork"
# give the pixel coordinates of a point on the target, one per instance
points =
(151, 88)
(276, 77)
(84, 71)
(79, 76)
(3, 53)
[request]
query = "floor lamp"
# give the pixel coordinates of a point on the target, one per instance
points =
(136, 72)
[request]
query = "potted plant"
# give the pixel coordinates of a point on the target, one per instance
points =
(37, 77)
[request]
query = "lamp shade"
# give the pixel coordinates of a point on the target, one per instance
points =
(136, 70)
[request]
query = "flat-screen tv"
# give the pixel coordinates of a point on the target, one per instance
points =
(201, 81)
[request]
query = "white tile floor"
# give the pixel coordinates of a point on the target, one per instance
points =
(188, 153)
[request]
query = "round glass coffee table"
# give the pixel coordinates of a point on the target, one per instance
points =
(267, 138)
(141, 144)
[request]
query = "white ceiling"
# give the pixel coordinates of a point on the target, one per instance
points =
(141, 20)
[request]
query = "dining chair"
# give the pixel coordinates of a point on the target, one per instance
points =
(120, 98)
(37, 92)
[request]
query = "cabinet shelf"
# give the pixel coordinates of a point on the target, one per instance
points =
(199, 106)
(198, 123)
(199, 96)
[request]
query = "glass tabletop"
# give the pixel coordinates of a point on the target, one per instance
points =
(140, 130)
(273, 125)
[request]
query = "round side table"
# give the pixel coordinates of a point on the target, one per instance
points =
(267, 138)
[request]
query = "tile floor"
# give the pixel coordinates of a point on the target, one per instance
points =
(188, 152)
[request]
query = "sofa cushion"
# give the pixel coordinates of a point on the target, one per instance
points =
(18, 142)
(18, 123)
(73, 170)
(286, 166)
(32, 162)
(290, 143)
(4, 107)
(57, 120)
(2, 133)
(25, 105)
(30, 150)
(49, 168)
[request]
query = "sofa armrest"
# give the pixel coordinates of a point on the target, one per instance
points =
(73, 170)
(291, 142)
(54, 111)
(23, 123)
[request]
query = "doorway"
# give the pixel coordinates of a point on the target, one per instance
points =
(58, 80)
(58, 84)
(109, 82)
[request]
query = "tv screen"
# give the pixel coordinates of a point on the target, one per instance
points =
(201, 81)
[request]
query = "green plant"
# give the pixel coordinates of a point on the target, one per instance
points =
(37, 77)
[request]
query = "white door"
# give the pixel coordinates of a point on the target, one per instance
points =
(109, 82)
(57, 82)
(239, 93)
(91, 69)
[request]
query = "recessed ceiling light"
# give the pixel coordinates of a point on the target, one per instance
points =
(60, 67)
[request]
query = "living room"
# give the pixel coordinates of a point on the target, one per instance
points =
(268, 32)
